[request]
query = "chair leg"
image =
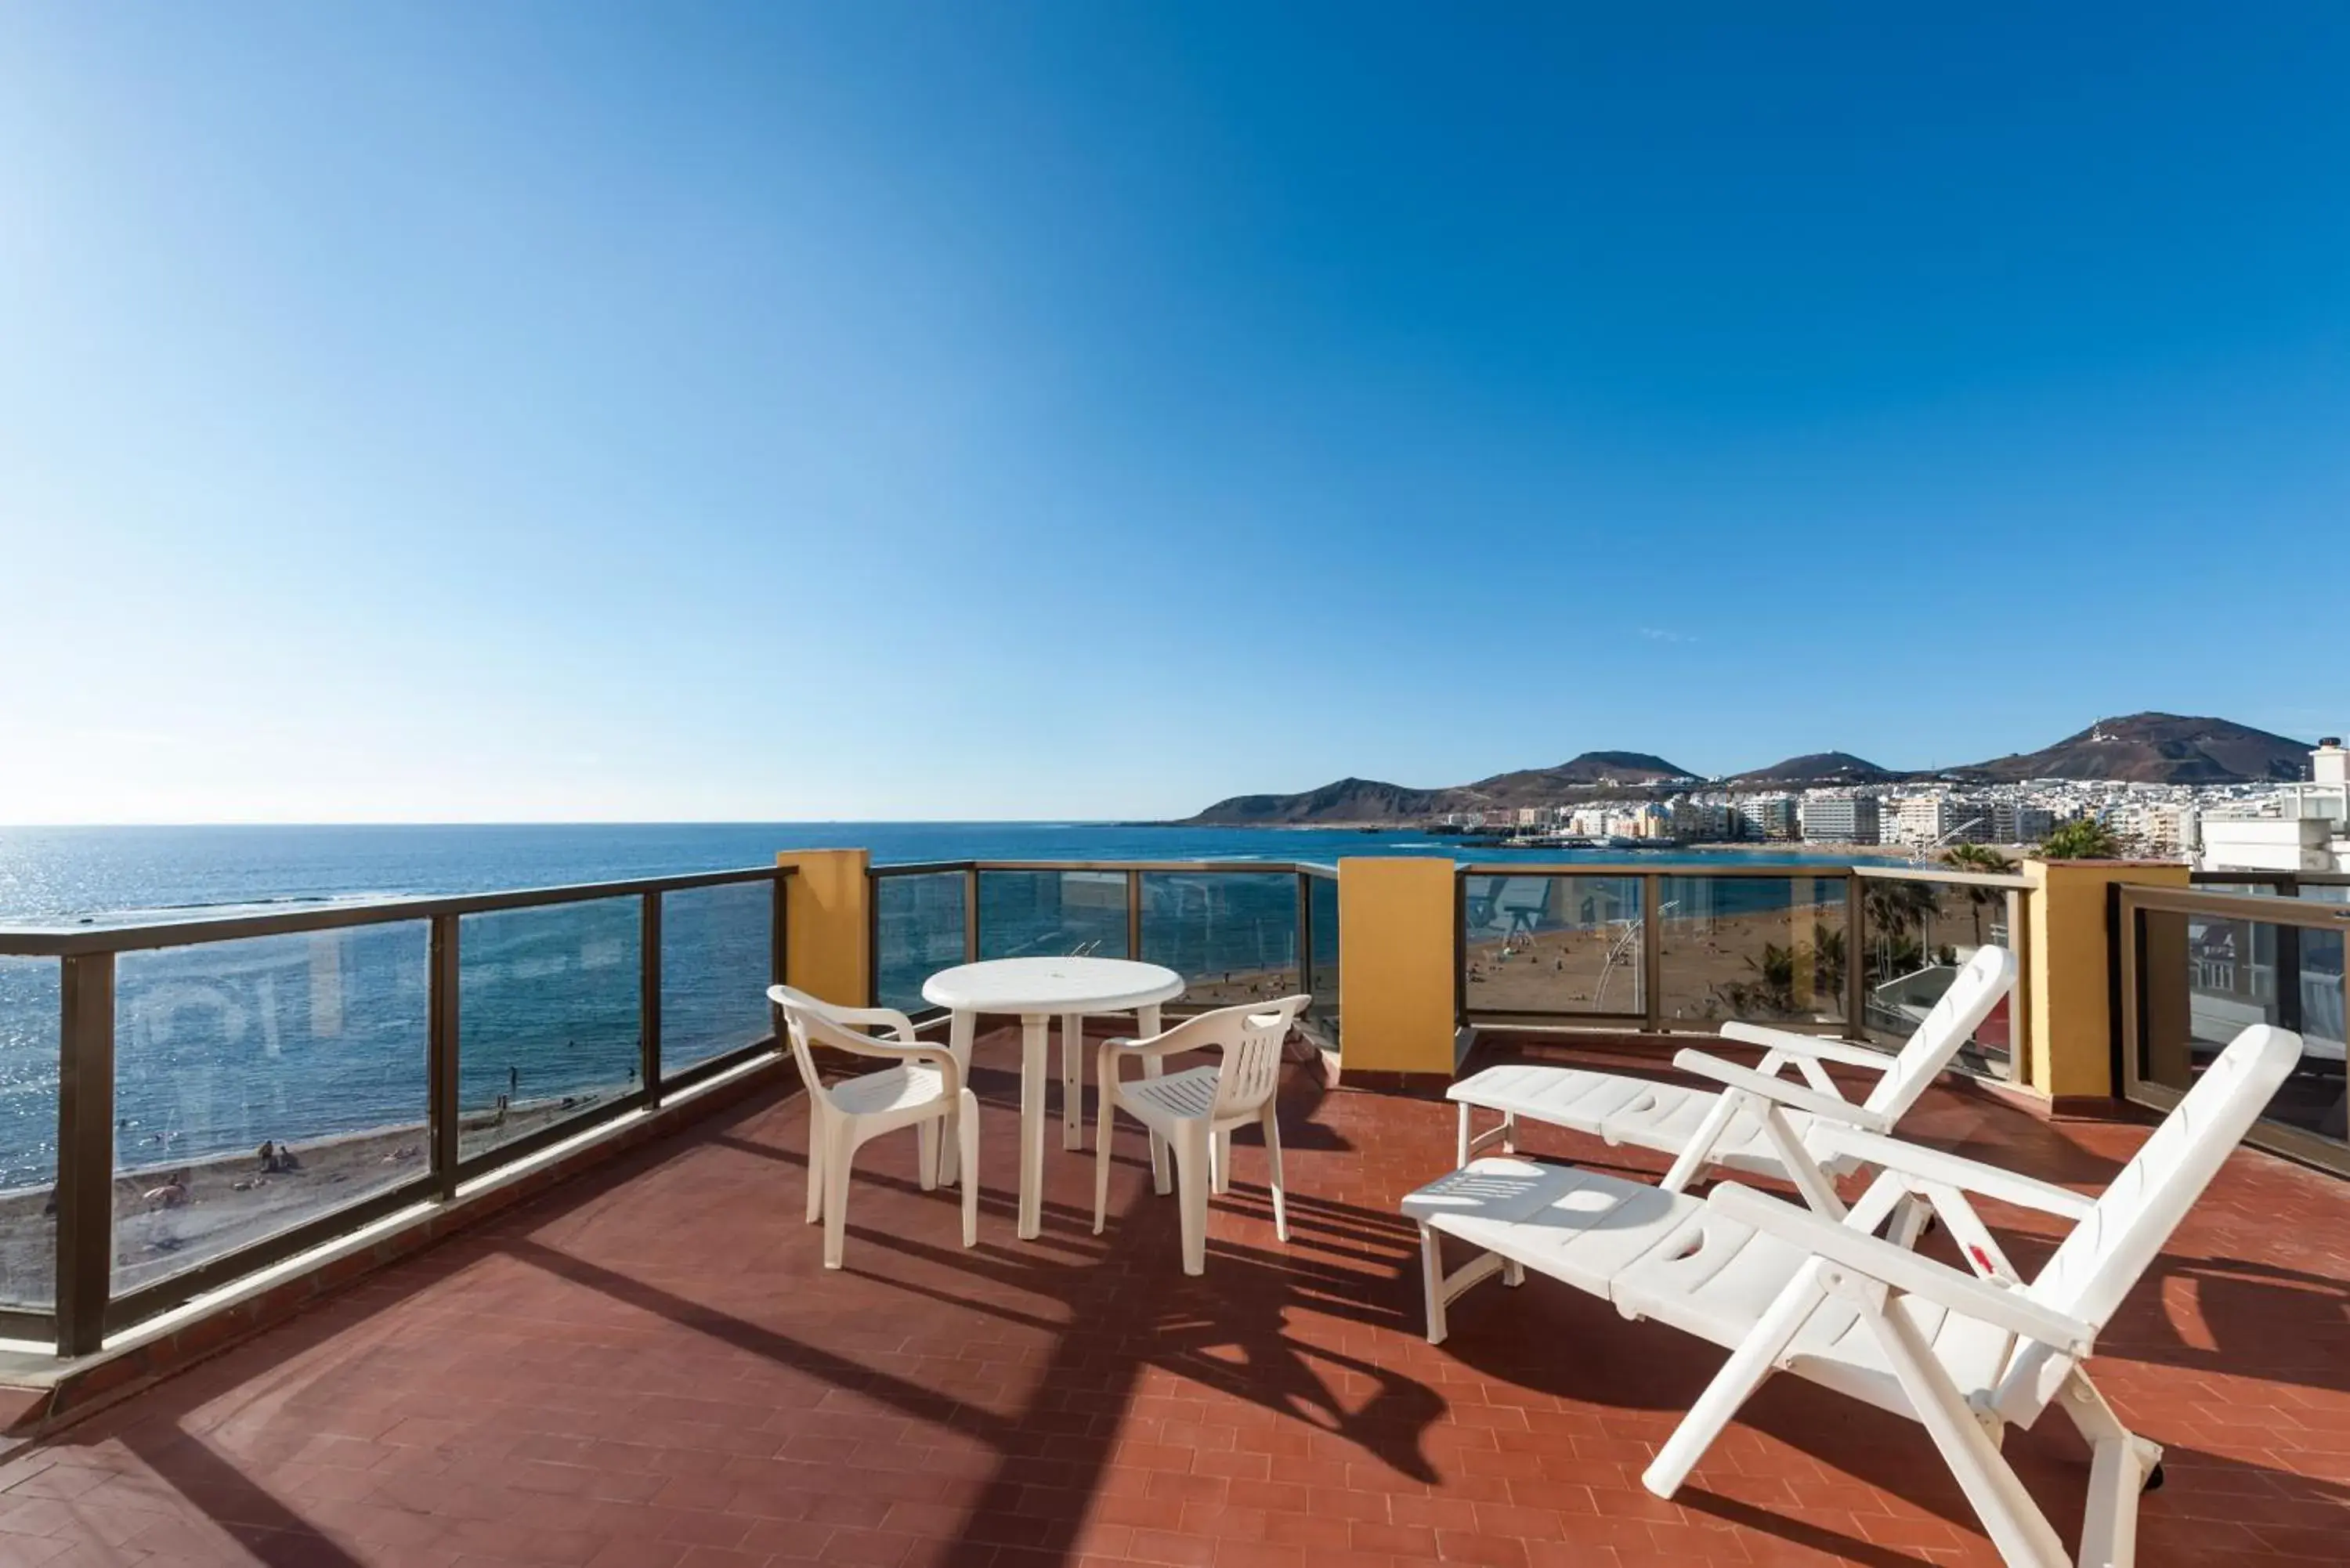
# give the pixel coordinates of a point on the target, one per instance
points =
(1431, 1274)
(1273, 1160)
(1735, 1383)
(840, 1149)
(2119, 1463)
(959, 1036)
(927, 1140)
(1191, 1145)
(966, 1131)
(1152, 1068)
(816, 1162)
(2018, 1528)
(1460, 1144)
(1220, 1162)
(1105, 1087)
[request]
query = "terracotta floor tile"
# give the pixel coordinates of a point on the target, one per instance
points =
(648, 1367)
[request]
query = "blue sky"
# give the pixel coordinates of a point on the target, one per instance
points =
(1050, 410)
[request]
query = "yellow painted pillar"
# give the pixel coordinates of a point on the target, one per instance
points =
(829, 925)
(2069, 1046)
(1396, 950)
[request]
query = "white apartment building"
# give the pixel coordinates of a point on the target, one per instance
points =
(2302, 828)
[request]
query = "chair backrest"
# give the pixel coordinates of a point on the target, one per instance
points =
(1956, 1016)
(2095, 1268)
(1251, 1035)
(809, 1022)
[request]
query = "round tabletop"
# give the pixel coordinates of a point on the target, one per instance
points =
(1033, 985)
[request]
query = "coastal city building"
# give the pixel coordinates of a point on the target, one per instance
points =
(1766, 816)
(1839, 818)
(2297, 827)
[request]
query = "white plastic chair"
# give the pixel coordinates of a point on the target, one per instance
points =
(1701, 1127)
(1196, 1110)
(925, 1091)
(1785, 1289)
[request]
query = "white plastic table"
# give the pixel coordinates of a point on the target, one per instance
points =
(1038, 990)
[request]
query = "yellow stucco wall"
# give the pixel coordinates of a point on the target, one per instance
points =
(828, 929)
(2070, 1048)
(1395, 964)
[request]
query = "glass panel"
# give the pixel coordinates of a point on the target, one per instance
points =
(1231, 935)
(1916, 935)
(547, 1016)
(2240, 973)
(260, 1083)
(1752, 947)
(29, 1131)
(920, 933)
(1323, 891)
(717, 955)
(1553, 944)
(1024, 914)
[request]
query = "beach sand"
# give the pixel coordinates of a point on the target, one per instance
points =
(227, 1202)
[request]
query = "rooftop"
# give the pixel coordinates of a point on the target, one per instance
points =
(647, 1366)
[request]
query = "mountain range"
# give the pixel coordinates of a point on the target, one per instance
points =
(2141, 748)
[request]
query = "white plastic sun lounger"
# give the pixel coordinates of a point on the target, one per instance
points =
(1787, 1290)
(1703, 1127)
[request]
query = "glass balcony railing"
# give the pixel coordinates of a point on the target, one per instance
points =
(29, 1081)
(550, 1017)
(2200, 965)
(184, 1103)
(1236, 932)
(1863, 950)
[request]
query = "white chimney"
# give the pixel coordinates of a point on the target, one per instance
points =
(2330, 763)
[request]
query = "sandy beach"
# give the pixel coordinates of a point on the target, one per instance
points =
(168, 1217)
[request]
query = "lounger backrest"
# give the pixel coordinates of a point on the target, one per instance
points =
(1988, 976)
(2089, 1275)
(1251, 1035)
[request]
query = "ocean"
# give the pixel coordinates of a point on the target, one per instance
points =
(293, 1039)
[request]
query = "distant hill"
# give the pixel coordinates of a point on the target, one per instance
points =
(2156, 748)
(1365, 801)
(2142, 748)
(1819, 768)
(1346, 800)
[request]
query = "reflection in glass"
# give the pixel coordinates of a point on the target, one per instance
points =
(1918, 935)
(260, 1083)
(548, 1017)
(1052, 914)
(1231, 935)
(1553, 944)
(717, 958)
(1752, 947)
(918, 932)
(29, 1131)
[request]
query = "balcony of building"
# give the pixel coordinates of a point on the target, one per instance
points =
(592, 1326)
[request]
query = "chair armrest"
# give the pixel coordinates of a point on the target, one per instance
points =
(1191, 1035)
(1795, 1096)
(888, 1018)
(1955, 1170)
(1813, 1045)
(1843, 1247)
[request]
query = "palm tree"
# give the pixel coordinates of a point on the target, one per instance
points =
(1892, 907)
(2082, 838)
(1979, 857)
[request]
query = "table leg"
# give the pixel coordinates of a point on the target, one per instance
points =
(1073, 1079)
(1036, 1028)
(1145, 1023)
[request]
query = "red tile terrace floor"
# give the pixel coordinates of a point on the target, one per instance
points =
(648, 1366)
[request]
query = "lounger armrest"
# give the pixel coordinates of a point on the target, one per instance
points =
(1843, 1247)
(1795, 1096)
(1955, 1171)
(1813, 1045)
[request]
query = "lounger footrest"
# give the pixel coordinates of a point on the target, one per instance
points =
(1579, 1226)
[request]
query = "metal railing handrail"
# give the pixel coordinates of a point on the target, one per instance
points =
(1817, 870)
(1240, 867)
(2260, 909)
(75, 941)
(88, 1303)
